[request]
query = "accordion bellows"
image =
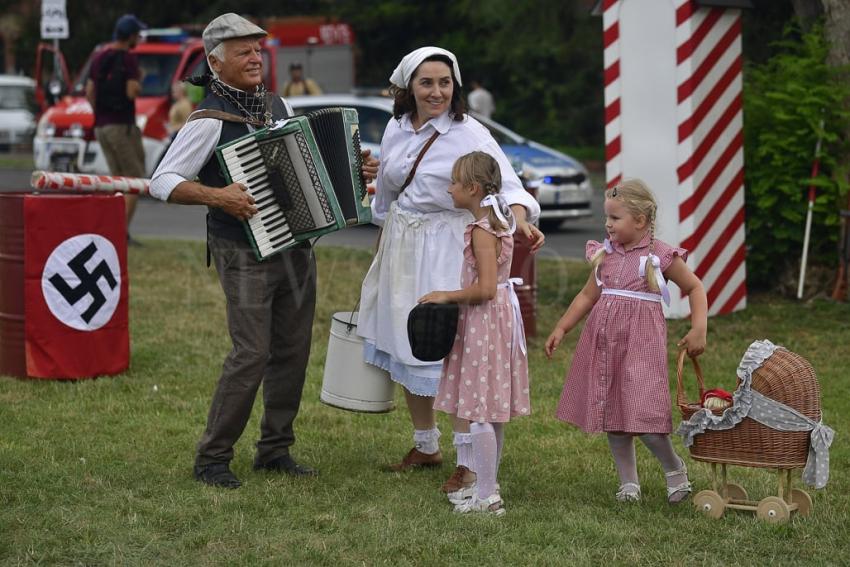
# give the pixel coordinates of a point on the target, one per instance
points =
(304, 174)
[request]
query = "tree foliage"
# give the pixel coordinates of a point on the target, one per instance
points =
(790, 101)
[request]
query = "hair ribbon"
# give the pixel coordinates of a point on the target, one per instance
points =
(500, 206)
(609, 249)
(659, 277)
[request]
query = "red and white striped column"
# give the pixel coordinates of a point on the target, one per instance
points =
(611, 62)
(704, 171)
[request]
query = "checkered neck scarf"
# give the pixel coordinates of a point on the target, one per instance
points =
(251, 104)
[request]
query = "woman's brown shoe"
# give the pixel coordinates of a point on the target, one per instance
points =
(461, 478)
(415, 459)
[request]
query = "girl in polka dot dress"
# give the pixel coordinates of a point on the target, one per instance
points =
(485, 376)
(618, 381)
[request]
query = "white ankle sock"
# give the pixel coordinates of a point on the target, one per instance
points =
(463, 445)
(427, 440)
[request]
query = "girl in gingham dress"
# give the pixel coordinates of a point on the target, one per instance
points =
(618, 379)
(485, 376)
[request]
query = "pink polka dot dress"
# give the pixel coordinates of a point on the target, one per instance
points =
(618, 380)
(485, 376)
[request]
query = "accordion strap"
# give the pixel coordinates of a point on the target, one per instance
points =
(418, 159)
(222, 115)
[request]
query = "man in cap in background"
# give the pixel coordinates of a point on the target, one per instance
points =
(298, 84)
(270, 304)
(112, 87)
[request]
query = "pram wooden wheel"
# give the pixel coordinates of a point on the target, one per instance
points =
(773, 509)
(803, 501)
(709, 503)
(735, 491)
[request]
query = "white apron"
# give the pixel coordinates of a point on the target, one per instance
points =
(418, 253)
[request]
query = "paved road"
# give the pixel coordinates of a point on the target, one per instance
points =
(155, 219)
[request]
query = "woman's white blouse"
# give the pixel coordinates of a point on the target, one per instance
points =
(429, 190)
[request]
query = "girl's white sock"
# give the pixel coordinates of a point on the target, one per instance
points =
(499, 428)
(662, 448)
(463, 445)
(623, 450)
(485, 456)
(427, 440)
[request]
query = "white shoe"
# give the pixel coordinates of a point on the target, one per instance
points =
(465, 493)
(628, 492)
(493, 505)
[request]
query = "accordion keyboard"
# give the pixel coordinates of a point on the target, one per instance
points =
(269, 227)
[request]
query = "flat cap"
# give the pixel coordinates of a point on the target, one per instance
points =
(229, 26)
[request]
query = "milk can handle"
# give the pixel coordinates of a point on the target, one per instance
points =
(351, 324)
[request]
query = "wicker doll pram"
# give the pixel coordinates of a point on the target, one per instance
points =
(787, 378)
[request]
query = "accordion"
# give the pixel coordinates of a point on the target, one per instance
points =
(304, 174)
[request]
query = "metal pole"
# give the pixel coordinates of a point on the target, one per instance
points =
(808, 231)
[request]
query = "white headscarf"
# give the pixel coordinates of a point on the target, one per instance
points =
(404, 72)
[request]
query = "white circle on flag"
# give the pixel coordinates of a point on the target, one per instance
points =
(81, 282)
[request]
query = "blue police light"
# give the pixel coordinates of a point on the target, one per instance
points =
(547, 180)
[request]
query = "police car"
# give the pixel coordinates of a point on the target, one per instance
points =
(563, 184)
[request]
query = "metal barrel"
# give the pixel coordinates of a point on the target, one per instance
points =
(12, 354)
(524, 265)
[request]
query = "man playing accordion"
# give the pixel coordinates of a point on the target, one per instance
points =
(270, 304)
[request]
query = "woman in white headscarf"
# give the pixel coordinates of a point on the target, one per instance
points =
(421, 243)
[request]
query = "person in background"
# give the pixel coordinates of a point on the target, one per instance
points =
(112, 87)
(180, 109)
(480, 100)
(298, 84)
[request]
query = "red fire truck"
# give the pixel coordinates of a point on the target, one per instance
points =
(64, 139)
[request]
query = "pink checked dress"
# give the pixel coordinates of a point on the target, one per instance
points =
(618, 377)
(485, 376)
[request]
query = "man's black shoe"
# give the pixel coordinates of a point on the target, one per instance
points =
(286, 464)
(217, 474)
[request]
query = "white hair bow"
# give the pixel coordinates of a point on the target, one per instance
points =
(659, 277)
(609, 249)
(500, 206)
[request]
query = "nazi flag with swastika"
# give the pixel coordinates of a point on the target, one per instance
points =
(75, 286)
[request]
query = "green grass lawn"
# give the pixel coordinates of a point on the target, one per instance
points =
(99, 471)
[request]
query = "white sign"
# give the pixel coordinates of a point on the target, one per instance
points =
(54, 20)
(81, 282)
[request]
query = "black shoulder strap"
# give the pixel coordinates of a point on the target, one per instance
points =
(422, 152)
(222, 115)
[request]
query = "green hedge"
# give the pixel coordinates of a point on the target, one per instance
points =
(790, 101)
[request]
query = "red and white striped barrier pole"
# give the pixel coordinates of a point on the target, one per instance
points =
(673, 117)
(808, 232)
(80, 182)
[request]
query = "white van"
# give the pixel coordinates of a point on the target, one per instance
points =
(17, 111)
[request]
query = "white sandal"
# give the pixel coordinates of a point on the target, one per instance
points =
(683, 489)
(492, 505)
(628, 492)
(459, 496)
(467, 492)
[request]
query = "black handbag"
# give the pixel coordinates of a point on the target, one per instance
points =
(431, 329)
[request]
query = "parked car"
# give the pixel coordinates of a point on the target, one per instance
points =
(17, 110)
(563, 184)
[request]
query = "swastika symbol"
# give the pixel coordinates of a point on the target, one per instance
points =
(88, 282)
